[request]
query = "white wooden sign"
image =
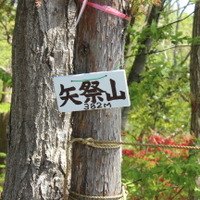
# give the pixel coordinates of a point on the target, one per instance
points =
(89, 91)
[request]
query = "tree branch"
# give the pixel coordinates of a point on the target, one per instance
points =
(9, 37)
(180, 20)
(6, 70)
(153, 52)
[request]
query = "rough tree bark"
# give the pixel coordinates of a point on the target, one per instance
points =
(139, 63)
(195, 83)
(99, 46)
(38, 132)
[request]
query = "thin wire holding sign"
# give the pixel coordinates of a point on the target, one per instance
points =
(93, 79)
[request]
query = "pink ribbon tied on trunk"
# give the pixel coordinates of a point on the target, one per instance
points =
(104, 8)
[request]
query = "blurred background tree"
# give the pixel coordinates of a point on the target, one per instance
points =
(7, 17)
(158, 59)
(159, 85)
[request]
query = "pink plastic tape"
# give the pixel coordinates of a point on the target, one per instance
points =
(108, 9)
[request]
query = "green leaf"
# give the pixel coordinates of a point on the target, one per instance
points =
(2, 155)
(4, 107)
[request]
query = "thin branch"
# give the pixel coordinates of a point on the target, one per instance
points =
(153, 52)
(9, 37)
(4, 26)
(180, 20)
(179, 16)
(187, 56)
(6, 70)
(178, 192)
(184, 7)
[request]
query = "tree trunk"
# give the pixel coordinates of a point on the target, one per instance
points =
(195, 83)
(38, 132)
(139, 63)
(99, 46)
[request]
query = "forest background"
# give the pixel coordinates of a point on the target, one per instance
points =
(160, 99)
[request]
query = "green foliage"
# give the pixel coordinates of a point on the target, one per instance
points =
(4, 107)
(7, 15)
(138, 7)
(2, 155)
(2, 174)
(6, 77)
(164, 34)
(161, 100)
(156, 173)
(5, 53)
(161, 110)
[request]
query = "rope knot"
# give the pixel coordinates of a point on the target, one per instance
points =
(89, 141)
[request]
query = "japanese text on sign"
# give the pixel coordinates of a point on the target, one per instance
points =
(90, 91)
